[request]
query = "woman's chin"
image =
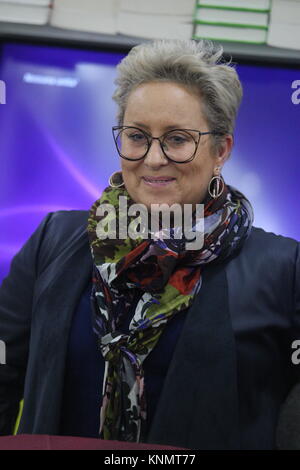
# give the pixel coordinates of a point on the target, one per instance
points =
(155, 202)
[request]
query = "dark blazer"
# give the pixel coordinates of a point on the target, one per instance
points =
(231, 369)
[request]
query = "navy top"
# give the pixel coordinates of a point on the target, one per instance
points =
(82, 393)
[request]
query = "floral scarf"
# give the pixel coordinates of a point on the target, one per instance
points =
(160, 278)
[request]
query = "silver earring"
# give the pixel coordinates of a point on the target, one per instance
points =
(116, 180)
(216, 186)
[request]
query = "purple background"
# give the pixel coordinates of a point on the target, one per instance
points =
(57, 151)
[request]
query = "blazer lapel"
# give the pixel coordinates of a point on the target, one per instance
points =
(198, 407)
(57, 294)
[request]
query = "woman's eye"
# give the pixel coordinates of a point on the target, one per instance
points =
(136, 137)
(176, 139)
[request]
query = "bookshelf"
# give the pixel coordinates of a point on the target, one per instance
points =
(57, 36)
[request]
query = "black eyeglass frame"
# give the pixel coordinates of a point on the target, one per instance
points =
(150, 139)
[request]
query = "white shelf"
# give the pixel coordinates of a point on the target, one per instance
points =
(50, 35)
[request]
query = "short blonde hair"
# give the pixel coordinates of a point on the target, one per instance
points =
(195, 64)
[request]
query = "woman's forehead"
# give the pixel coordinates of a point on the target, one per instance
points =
(168, 102)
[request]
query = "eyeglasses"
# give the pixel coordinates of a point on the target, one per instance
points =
(178, 145)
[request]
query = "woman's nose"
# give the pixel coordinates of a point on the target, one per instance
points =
(155, 155)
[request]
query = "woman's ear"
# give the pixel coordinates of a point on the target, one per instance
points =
(224, 150)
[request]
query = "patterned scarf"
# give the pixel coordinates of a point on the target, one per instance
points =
(160, 278)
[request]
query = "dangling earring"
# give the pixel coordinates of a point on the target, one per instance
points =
(116, 180)
(216, 185)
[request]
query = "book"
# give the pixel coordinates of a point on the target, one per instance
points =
(230, 33)
(156, 26)
(284, 27)
(23, 13)
(88, 15)
(224, 16)
(165, 7)
(263, 5)
(42, 3)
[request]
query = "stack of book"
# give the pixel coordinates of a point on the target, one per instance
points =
(232, 20)
(159, 19)
(284, 28)
(25, 11)
(97, 16)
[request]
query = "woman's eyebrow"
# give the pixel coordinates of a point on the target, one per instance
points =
(167, 128)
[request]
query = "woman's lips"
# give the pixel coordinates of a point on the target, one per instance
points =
(158, 181)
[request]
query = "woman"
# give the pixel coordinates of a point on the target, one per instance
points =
(192, 347)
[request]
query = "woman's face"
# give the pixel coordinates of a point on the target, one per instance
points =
(157, 108)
